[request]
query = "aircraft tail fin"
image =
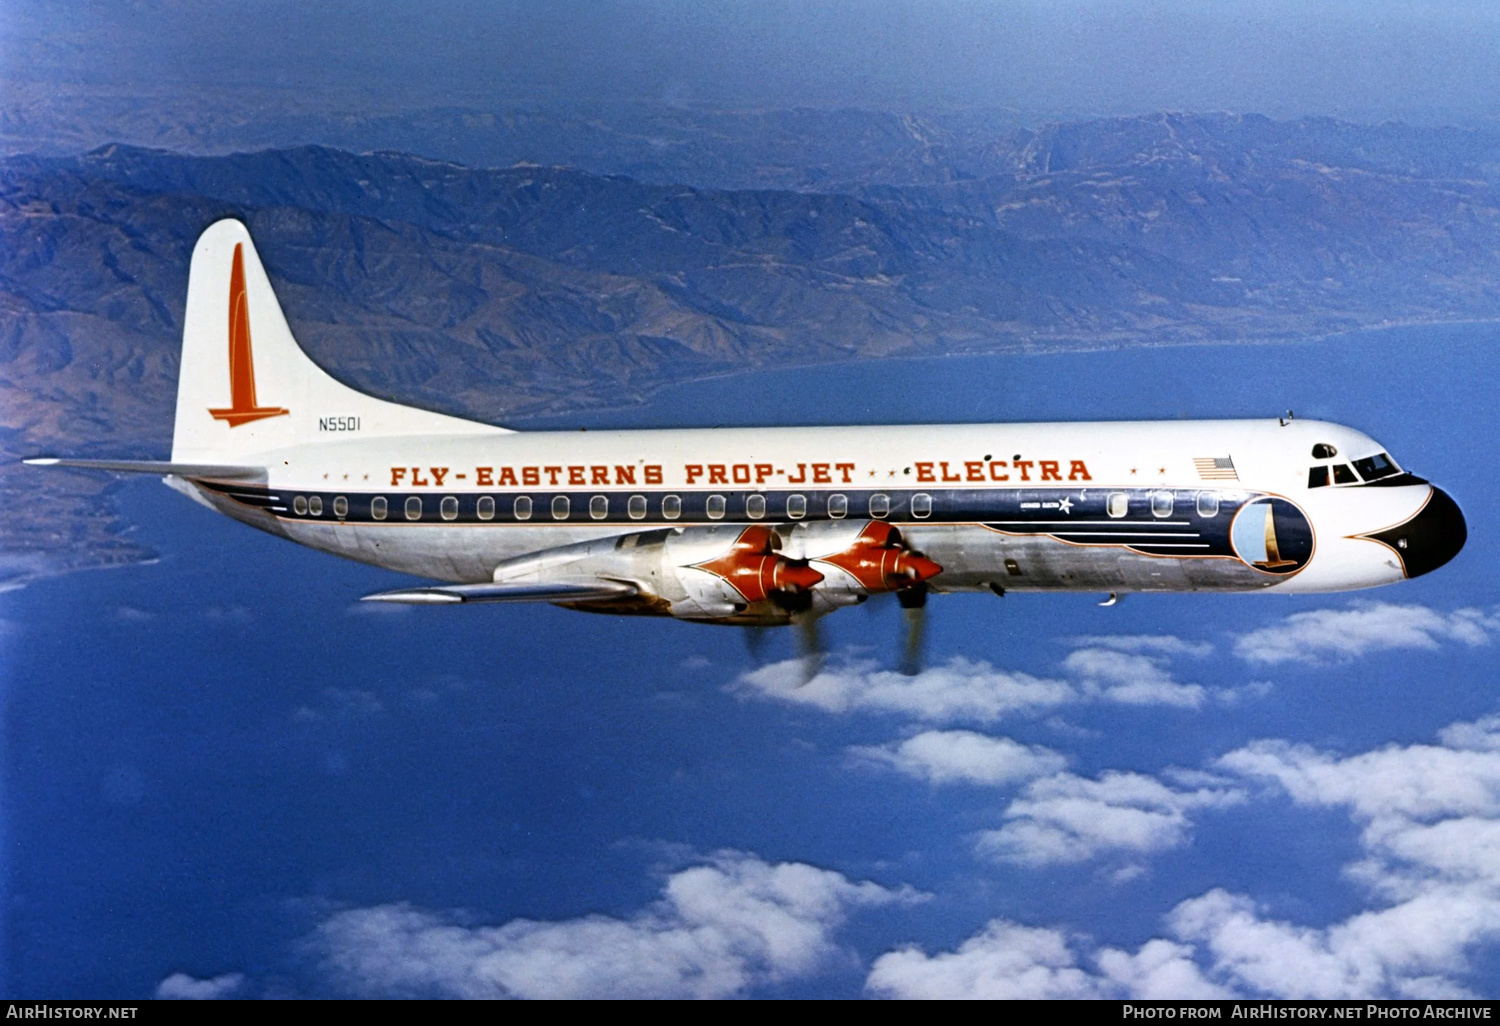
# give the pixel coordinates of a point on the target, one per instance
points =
(245, 387)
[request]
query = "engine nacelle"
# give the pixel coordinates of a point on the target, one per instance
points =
(860, 558)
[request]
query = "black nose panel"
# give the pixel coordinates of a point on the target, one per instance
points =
(1429, 539)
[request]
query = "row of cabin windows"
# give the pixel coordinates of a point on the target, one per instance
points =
(635, 507)
(1118, 504)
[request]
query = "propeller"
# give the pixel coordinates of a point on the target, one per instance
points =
(913, 601)
(810, 643)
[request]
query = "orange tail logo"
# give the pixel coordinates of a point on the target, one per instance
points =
(242, 409)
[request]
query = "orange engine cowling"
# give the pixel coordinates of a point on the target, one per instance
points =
(879, 560)
(755, 570)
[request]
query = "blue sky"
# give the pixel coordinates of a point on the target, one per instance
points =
(226, 778)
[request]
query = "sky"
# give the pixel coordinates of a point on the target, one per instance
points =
(1044, 58)
(225, 777)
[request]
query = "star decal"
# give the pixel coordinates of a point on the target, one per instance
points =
(1066, 505)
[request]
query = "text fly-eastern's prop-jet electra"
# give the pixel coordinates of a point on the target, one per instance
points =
(765, 526)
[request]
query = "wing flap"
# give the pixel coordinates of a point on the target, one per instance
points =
(506, 592)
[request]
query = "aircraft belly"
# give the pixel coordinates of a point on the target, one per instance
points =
(976, 558)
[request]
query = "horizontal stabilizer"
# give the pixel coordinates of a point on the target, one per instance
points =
(151, 467)
(508, 592)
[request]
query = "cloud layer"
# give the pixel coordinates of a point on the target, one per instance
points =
(718, 930)
(1336, 635)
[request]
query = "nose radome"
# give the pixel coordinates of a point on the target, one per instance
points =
(1429, 539)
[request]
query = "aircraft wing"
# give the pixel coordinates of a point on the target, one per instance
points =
(162, 467)
(514, 591)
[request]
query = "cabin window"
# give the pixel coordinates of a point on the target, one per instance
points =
(1324, 451)
(1373, 468)
(377, 507)
(414, 507)
(671, 507)
(1317, 477)
(1118, 504)
(560, 507)
(448, 508)
(796, 506)
(599, 507)
(838, 506)
(484, 509)
(635, 508)
(315, 505)
(522, 507)
(1161, 504)
(880, 505)
(299, 505)
(1208, 504)
(755, 506)
(921, 505)
(1343, 475)
(716, 507)
(340, 506)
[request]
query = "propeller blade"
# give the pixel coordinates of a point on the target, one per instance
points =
(755, 642)
(810, 637)
(914, 609)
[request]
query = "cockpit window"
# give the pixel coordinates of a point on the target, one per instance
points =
(1324, 451)
(1343, 475)
(1372, 468)
(1317, 477)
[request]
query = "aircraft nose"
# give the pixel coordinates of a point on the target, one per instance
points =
(1429, 539)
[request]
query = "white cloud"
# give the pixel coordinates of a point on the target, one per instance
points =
(1130, 678)
(1068, 818)
(718, 930)
(182, 987)
(1007, 960)
(1430, 819)
(1109, 669)
(1165, 644)
(958, 690)
(1330, 635)
(963, 756)
(1004, 961)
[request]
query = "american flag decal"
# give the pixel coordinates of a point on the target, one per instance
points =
(1215, 468)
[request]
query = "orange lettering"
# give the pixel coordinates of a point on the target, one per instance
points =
(694, 472)
(552, 473)
(820, 474)
(575, 476)
(397, 473)
(438, 473)
(949, 477)
(996, 465)
(624, 475)
(653, 474)
(924, 472)
(599, 475)
(846, 469)
(530, 477)
(740, 472)
(417, 479)
(801, 475)
(482, 476)
(1024, 466)
(1049, 471)
(716, 474)
(763, 471)
(1078, 471)
(507, 477)
(974, 470)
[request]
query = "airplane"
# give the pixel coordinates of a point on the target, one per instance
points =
(765, 526)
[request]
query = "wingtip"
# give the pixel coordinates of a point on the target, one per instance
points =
(42, 461)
